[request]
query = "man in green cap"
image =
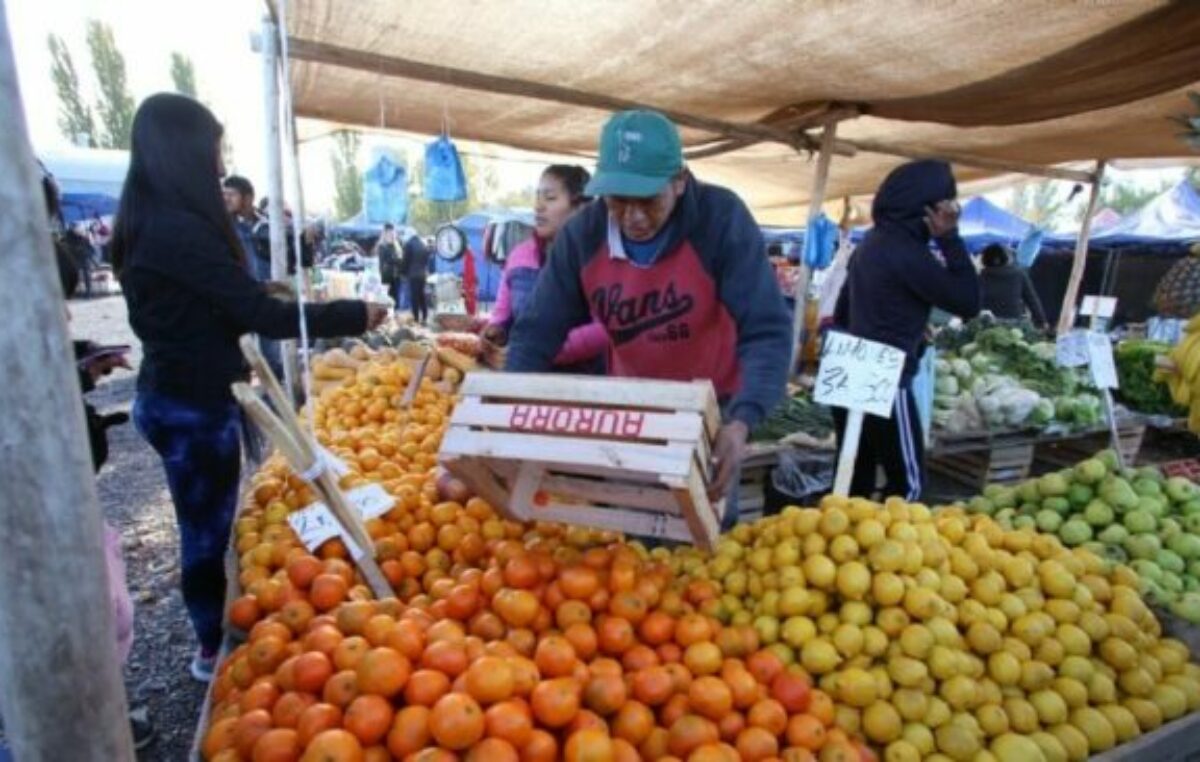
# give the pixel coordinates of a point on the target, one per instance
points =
(676, 271)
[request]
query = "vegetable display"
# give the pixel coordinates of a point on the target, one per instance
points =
(1000, 379)
(1139, 388)
(795, 414)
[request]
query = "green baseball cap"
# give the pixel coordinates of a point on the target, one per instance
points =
(639, 152)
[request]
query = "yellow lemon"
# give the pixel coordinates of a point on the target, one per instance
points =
(881, 723)
(1096, 727)
(856, 687)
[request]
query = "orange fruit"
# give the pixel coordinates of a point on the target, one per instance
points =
(248, 729)
(445, 657)
(554, 656)
(315, 719)
(456, 722)
(653, 686)
(341, 689)
(369, 718)
(710, 697)
(277, 745)
(692, 628)
(768, 714)
(639, 656)
(806, 731)
(590, 745)
(311, 671)
(510, 720)
(492, 750)
(409, 732)
(615, 635)
(657, 628)
(555, 702)
(383, 671)
(731, 726)
(425, 687)
(324, 638)
(327, 591)
(334, 745)
(690, 732)
(244, 612)
(261, 695)
(604, 694)
(490, 679)
(378, 628)
(583, 639)
(578, 582)
(350, 651)
(287, 710)
(302, 569)
(633, 722)
(542, 747)
(676, 707)
(755, 744)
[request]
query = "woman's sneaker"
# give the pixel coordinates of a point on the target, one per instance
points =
(204, 663)
(141, 728)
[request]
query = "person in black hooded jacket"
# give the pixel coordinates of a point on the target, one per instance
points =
(893, 283)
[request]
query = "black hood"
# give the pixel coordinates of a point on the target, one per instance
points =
(908, 191)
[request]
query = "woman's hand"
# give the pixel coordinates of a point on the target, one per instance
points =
(943, 218)
(496, 335)
(376, 314)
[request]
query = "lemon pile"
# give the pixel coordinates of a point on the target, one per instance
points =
(943, 636)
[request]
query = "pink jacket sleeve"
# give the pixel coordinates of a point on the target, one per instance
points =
(583, 343)
(502, 309)
(524, 254)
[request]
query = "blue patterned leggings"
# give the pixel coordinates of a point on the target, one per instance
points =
(200, 447)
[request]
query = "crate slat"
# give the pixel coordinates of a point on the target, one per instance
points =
(670, 459)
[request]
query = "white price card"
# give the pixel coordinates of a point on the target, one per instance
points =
(371, 500)
(1100, 356)
(1100, 306)
(1071, 349)
(858, 374)
(316, 525)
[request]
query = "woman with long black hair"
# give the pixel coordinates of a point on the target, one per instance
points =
(190, 298)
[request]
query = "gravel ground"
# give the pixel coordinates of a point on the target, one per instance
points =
(133, 495)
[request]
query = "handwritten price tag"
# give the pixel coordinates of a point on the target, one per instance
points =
(316, 525)
(1100, 356)
(858, 374)
(370, 500)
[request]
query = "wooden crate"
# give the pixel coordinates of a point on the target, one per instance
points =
(1070, 449)
(626, 455)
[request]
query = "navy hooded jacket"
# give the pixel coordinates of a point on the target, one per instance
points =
(894, 281)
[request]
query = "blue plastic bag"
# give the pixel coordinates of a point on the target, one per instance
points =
(1029, 247)
(385, 192)
(444, 177)
(820, 242)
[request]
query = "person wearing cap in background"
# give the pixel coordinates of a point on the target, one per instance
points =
(893, 282)
(674, 270)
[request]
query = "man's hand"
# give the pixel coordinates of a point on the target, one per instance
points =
(495, 335)
(728, 452)
(376, 314)
(943, 218)
(102, 365)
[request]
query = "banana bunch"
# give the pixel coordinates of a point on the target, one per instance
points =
(1182, 373)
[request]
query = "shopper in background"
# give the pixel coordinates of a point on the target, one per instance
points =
(893, 282)
(1006, 288)
(190, 298)
(560, 194)
(415, 268)
(387, 251)
(248, 224)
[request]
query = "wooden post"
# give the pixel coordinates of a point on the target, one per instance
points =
(274, 130)
(1066, 317)
(816, 199)
(848, 453)
(61, 693)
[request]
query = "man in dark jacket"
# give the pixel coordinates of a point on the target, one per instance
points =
(893, 283)
(1006, 288)
(415, 268)
(674, 269)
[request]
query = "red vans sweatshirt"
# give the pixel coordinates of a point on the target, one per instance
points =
(707, 308)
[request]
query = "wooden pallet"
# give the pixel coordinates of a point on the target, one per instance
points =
(995, 463)
(625, 455)
(1069, 450)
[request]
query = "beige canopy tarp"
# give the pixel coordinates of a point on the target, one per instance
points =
(1037, 83)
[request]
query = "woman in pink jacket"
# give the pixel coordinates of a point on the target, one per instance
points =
(559, 195)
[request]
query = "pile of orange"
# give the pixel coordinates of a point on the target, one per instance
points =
(550, 652)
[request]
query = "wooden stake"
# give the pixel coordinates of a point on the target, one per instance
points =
(848, 453)
(61, 693)
(815, 200)
(1066, 317)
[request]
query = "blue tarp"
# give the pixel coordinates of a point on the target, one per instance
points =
(77, 207)
(983, 223)
(385, 192)
(1172, 217)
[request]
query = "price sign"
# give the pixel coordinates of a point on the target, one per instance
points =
(1071, 349)
(1100, 306)
(858, 374)
(1100, 357)
(370, 500)
(316, 525)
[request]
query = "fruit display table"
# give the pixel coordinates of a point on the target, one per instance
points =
(1177, 741)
